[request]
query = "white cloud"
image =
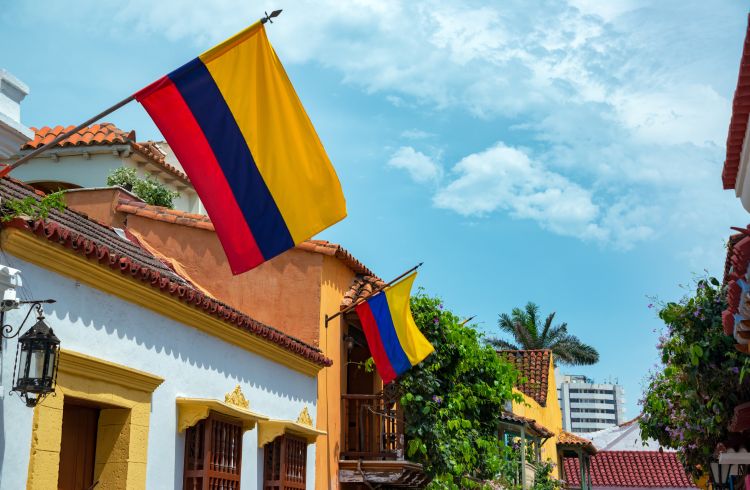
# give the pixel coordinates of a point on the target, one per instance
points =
(416, 134)
(506, 178)
(625, 103)
(421, 168)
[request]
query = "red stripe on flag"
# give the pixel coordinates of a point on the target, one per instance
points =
(370, 326)
(171, 114)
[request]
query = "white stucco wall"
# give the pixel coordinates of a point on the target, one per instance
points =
(192, 363)
(92, 171)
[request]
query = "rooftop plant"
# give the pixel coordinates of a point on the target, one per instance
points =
(32, 207)
(149, 189)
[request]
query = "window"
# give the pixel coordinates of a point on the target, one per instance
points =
(213, 453)
(285, 463)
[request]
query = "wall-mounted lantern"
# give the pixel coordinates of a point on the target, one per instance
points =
(35, 371)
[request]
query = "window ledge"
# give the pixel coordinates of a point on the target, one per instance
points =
(271, 429)
(190, 411)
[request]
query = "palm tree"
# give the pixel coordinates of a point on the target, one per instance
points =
(528, 333)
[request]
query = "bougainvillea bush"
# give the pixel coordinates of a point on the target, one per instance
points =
(688, 405)
(453, 399)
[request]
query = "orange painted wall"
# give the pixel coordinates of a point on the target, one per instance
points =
(336, 279)
(97, 204)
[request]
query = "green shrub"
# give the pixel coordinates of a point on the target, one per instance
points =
(148, 189)
(452, 400)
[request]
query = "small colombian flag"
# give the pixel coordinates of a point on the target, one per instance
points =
(395, 341)
(236, 125)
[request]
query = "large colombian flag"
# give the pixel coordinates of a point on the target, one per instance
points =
(237, 127)
(395, 342)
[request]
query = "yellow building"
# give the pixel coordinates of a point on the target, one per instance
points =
(539, 411)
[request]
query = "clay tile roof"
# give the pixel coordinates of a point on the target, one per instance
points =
(361, 288)
(650, 469)
(159, 213)
(104, 245)
(531, 423)
(335, 250)
(736, 266)
(570, 439)
(738, 121)
(102, 134)
(533, 366)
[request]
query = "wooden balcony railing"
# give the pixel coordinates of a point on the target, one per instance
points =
(373, 428)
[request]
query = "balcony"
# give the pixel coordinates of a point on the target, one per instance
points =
(372, 449)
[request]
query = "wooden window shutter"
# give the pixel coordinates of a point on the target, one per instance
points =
(213, 454)
(285, 463)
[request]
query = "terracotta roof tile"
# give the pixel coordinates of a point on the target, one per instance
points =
(335, 250)
(102, 244)
(533, 367)
(738, 121)
(201, 221)
(361, 288)
(570, 439)
(735, 270)
(533, 424)
(103, 134)
(651, 469)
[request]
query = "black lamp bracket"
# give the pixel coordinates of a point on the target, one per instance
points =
(36, 304)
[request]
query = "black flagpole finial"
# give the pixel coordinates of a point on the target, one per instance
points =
(268, 17)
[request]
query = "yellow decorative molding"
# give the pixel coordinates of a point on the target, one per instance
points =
(190, 411)
(304, 418)
(57, 258)
(124, 397)
(237, 398)
(268, 430)
(90, 367)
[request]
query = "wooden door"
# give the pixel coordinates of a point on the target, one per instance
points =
(78, 447)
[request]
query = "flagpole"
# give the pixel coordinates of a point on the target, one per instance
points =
(7, 168)
(362, 300)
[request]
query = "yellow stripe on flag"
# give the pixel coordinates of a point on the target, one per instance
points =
(414, 344)
(286, 149)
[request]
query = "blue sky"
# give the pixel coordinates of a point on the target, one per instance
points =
(565, 153)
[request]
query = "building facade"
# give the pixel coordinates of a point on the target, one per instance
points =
(12, 132)
(86, 159)
(539, 414)
(159, 384)
(625, 460)
(587, 406)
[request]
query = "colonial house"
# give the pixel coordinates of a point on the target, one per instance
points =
(624, 460)
(537, 420)
(736, 318)
(159, 384)
(85, 159)
(295, 292)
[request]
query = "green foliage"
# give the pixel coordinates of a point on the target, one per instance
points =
(528, 332)
(543, 478)
(452, 400)
(687, 406)
(148, 189)
(509, 477)
(31, 206)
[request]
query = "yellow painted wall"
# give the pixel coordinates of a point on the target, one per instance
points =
(549, 416)
(336, 280)
(122, 435)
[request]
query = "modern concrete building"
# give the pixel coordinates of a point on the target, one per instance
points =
(589, 407)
